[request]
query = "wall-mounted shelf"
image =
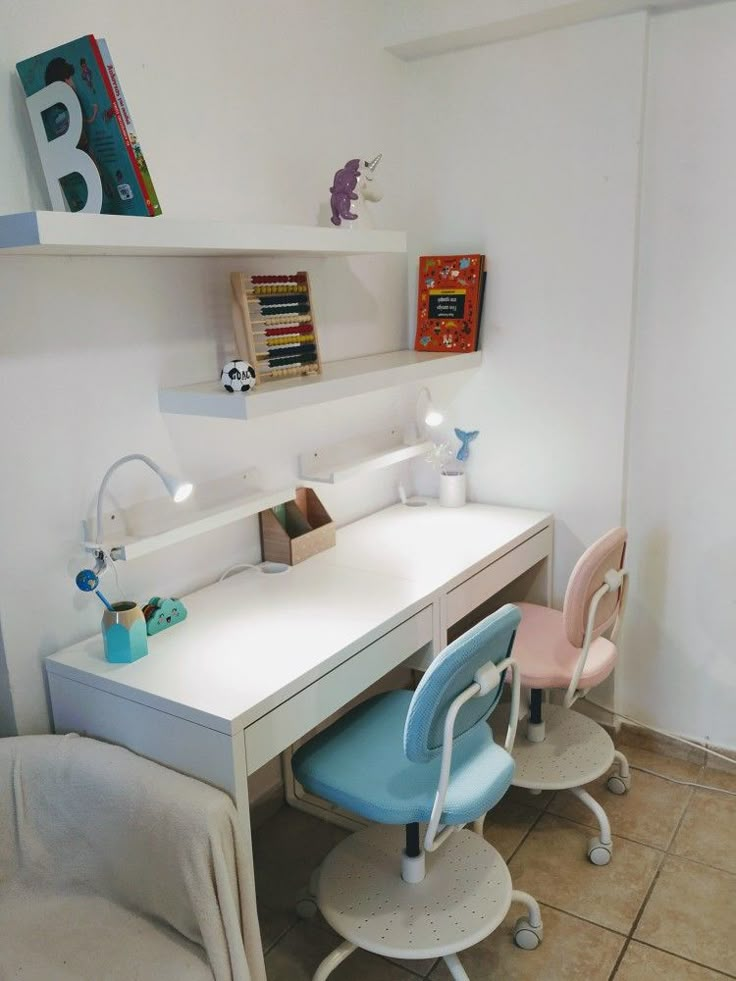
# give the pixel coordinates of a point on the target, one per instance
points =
(63, 233)
(339, 379)
(353, 457)
(154, 525)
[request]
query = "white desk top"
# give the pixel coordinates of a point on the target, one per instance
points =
(433, 546)
(255, 640)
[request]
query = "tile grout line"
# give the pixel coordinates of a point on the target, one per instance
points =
(582, 919)
(529, 830)
(647, 897)
(639, 915)
(688, 960)
(682, 818)
(619, 959)
(665, 853)
(283, 936)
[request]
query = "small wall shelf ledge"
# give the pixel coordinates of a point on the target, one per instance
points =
(339, 379)
(62, 233)
(153, 525)
(353, 457)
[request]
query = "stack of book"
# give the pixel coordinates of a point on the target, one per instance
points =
(108, 134)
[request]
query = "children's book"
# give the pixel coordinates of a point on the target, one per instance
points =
(108, 135)
(126, 120)
(450, 302)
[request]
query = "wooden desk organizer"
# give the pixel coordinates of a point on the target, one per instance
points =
(307, 529)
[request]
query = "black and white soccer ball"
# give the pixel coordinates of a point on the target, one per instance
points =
(238, 376)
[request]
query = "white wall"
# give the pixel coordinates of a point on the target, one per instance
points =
(235, 120)
(527, 151)
(538, 169)
(680, 670)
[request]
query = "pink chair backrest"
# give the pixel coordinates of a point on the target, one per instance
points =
(586, 579)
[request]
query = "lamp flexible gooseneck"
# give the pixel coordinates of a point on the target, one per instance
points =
(178, 489)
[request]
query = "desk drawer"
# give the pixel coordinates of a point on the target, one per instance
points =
(484, 584)
(277, 730)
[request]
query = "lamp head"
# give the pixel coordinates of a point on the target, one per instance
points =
(430, 415)
(181, 491)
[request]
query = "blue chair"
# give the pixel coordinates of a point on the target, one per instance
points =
(401, 759)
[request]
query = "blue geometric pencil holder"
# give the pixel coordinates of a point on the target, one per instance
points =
(124, 633)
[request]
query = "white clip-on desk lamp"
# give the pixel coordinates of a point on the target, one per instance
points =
(88, 579)
(427, 416)
(179, 490)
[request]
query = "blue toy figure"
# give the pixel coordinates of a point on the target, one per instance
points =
(465, 440)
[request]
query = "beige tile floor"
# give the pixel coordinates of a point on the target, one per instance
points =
(663, 910)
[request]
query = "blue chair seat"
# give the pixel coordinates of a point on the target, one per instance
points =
(359, 763)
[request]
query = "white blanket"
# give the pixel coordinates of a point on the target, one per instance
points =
(113, 865)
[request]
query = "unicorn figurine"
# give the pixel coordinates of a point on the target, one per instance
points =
(465, 440)
(353, 182)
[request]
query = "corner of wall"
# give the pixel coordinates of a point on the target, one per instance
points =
(8, 725)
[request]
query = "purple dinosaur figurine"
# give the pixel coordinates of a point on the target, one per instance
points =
(342, 192)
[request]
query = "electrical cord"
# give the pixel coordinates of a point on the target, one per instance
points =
(679, 739)
(683, 783)
(661, 732)
(265, 568)
(236, 568)
(117, 579)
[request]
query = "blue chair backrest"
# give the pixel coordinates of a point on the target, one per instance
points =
(449, 675)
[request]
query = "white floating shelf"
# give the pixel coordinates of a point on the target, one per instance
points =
(193, 523)
(339, 380)
(360, 455)
(63, 233)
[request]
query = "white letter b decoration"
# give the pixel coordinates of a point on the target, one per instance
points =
(60, 156)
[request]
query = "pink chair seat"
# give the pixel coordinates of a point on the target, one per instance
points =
(547, 659)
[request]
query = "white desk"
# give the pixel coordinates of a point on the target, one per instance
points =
(263, 659)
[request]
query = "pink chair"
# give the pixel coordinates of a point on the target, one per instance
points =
(562, 749)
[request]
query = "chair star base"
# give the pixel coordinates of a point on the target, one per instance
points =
(575, 750)
(465, 895)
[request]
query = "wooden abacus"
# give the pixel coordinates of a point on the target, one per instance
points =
(274, 327)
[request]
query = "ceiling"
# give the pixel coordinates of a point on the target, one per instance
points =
(417, 29)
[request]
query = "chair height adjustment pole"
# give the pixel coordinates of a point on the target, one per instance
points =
(535, 706)
(413, 867)
(535, 726)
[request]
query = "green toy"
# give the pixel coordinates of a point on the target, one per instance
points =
(163, 613)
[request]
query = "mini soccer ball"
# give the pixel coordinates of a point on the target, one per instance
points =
(238, 376)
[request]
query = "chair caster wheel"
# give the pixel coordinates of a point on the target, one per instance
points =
(306, 909)
(598, 853)
(527, 936)
(618, 784)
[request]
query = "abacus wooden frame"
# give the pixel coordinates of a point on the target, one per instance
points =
(244, 328)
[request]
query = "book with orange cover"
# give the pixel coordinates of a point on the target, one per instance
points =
(450, 302)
